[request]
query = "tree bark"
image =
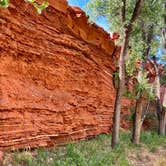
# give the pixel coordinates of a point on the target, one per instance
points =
(161, 113)
(122, 61)
(164, 30)
(117, 107)
(137, 121)
(161, 121)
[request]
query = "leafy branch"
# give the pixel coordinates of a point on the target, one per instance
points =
(39, 7)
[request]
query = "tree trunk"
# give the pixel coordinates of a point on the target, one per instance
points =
(122, 60)
(161, 122)
(161, 114)
(137, 121)
(117, 106)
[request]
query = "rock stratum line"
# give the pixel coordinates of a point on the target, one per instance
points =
(56, 76)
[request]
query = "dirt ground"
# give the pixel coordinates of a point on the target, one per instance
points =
(143, 157)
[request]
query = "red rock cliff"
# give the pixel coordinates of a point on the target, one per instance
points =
(55, 76)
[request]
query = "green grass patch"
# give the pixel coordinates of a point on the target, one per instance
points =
(94, 152)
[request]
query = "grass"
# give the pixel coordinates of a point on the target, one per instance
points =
(94, 152)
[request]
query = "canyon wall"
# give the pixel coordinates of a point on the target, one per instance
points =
(56, 76)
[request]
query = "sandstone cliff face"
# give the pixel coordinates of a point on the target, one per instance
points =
(55, 76)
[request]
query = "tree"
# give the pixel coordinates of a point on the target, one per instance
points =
(144, 89)
(128, 17)
(160, 104)
(38, 7)
(146, 49)
(164, 28)
(123, 13)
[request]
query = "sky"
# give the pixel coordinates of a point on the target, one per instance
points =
(82, 3)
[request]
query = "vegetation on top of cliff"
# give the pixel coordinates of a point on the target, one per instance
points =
(4, 3)
(38, 7)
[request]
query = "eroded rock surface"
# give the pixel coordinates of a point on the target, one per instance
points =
(56, 76)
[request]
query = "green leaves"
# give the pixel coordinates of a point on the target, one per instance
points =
(144, 40)
(31, 1)
(164, 105)
(38, 7)
(143, 84)
(41, 7)
(143, 81)
(4, 3)
(131, 61)
(130, 95)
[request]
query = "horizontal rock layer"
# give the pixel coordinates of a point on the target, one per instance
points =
(56, 81)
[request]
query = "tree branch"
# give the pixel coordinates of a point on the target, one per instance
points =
(123, 12)
(143, 30)
(136, 10)
(149, 37)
